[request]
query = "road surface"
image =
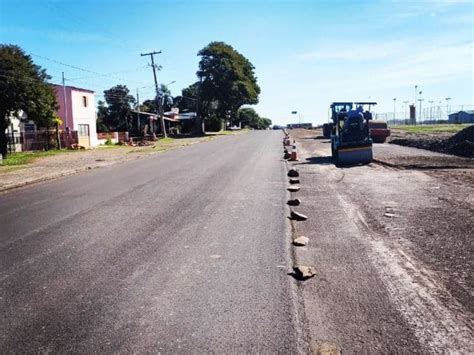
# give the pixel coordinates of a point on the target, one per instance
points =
(179, 252)
(189, 251)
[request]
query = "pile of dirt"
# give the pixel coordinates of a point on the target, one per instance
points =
(460, 144)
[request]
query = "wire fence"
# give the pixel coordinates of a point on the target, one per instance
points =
(436, 114)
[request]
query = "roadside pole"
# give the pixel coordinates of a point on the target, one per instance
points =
(138, 111)
(66, 124)
(157, 99)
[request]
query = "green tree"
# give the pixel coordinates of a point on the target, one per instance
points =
(188, 98)
(166, 99)
(227, 80)
(247, 116)
(102, 113)
(23, 86)
(265, 123)
(119, 108)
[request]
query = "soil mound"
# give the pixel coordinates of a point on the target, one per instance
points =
(460, 144)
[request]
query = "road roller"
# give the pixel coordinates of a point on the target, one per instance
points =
(351, 143)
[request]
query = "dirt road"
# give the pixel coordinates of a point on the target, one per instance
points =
(392, 244)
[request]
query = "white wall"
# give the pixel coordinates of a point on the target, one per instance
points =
(84, 115)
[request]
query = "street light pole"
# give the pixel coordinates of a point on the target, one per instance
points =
(421, 100)
(421, 115)
(447, 107)
(295, 113)
(431, 110)
(394, 109)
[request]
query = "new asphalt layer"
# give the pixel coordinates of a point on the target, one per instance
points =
(179, 252)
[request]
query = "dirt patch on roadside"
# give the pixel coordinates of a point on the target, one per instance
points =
(431, 198)
(460, 144)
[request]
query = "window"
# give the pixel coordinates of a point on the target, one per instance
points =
(83, 130)
(84, 101)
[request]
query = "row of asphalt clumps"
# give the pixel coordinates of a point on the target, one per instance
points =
(300, 272)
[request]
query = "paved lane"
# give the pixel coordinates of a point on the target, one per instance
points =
(176, 252)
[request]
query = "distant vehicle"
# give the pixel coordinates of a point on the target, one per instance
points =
(327, 129)
(350, 138)
(299, 125)
(379, 131)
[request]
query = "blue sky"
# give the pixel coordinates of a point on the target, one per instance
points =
(306, 53)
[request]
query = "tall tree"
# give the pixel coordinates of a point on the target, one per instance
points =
(166, 100)
(227, 78)
(102, 113)
(247, 116)
(119, 107)
(23, 86)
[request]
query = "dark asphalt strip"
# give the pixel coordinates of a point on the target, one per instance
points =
(182, 252)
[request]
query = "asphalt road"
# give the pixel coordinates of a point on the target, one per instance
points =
(179, 252)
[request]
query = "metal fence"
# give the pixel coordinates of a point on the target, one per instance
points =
(432, 114)
(39, 140)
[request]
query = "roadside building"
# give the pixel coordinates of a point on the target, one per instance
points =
(77, 111)
(462, 117)
(146, 123)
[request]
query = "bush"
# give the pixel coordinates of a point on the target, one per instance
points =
(108, 141)
(213, 124)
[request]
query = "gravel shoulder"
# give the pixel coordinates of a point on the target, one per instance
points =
(391, 243)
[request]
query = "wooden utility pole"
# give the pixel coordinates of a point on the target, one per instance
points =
(138, 112)
(158, 98)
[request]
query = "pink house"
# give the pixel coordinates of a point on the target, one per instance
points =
(77, 111)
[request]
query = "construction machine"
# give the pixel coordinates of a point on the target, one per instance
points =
(350, 137)
(379, 131)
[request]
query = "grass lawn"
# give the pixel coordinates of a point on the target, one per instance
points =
(22, 158)
(425, 129)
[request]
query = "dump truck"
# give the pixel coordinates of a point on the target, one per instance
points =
(378, 130)
(350, 137)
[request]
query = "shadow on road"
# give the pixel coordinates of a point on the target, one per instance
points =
(327, 160)
(296, 276)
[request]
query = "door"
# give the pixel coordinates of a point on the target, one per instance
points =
(83, 135)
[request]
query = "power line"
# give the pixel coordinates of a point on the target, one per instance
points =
(108, 74)
(82, 69)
